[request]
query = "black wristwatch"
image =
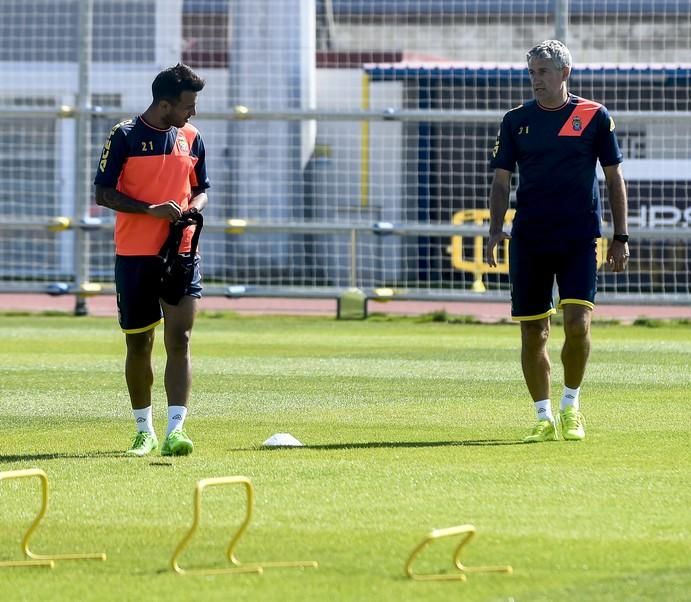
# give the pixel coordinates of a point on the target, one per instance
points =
(621, 238)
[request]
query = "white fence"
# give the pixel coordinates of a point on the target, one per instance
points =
(347, 141)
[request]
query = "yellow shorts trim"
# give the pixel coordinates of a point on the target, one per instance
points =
(144, 329)
(563, 302)
(538, 317)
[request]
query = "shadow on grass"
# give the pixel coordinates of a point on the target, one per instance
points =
(395, 444)
(59, 456)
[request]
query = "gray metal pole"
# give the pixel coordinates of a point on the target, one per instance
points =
(81, 153)
(353, 259)
(561, 20)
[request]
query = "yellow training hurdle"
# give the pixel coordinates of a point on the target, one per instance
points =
(41, 560)
(468, 532)
(238, 567)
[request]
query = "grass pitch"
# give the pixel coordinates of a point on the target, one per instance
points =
(408, 425)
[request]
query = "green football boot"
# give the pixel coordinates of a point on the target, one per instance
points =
(544, 430)
(177, 444)
(572, 424)
(142, 444)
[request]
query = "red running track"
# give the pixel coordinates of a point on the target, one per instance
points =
(484, 312)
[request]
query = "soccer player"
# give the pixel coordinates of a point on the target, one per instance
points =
(556, 140)
(151, 170)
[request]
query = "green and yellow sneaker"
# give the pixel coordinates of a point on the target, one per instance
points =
(142, 444)
(177, 444)
(544, 430)
(572, 424)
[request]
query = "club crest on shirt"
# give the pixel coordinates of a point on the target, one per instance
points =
(182, 145)
(576, 124)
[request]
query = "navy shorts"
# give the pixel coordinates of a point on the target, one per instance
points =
(533, 266)
(137, 281)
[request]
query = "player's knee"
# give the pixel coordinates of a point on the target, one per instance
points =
(534, 334)
(576, 326)
(140, 343)
(178, 342)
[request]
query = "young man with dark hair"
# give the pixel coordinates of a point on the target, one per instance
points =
(152, 170)
(556, 140)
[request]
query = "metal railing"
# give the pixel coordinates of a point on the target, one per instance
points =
(83, 288)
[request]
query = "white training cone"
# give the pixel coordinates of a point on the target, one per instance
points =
(282, 440)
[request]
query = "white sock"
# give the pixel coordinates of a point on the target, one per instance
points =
(543, 409)
(570, 398)
(144, 420)
(176, 418)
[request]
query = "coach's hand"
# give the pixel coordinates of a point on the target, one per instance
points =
(492, 242)
(618, 255)
(169, 210)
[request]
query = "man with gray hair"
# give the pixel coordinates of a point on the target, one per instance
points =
(555, 140)
(551, 50)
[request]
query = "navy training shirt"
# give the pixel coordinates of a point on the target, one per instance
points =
(153, 166)
(556, 151)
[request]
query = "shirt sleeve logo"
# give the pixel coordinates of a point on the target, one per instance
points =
(104, 155)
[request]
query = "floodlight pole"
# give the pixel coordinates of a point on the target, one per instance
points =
(82, 118)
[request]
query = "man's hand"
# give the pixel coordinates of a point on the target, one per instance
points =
(169, 210)
(494, 240)
(618, 255)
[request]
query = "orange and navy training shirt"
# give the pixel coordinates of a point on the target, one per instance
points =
(152, 166)
(556, 151)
